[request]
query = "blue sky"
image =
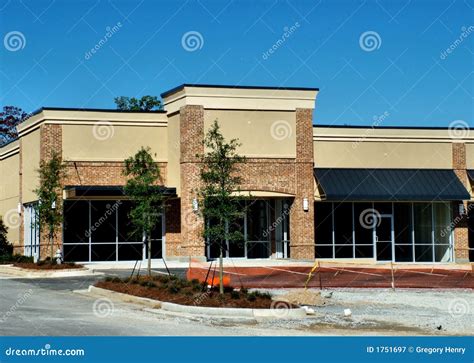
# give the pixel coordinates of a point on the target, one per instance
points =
(369, 58)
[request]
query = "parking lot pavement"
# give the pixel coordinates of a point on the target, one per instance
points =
(48, 307)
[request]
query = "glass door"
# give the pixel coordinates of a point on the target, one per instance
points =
(383, 237)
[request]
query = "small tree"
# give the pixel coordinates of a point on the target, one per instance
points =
(10, 117)
(49, 192)
(145, 193)
(146, 103)
(6, 248)
(219, 179)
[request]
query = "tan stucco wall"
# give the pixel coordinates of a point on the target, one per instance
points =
(261, 133)
(9, 195)
(30, 144)
(345, 154)
(469, 156)
(174, 145)
(109, 142)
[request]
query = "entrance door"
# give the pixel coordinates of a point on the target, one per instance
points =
(383, 238)
(282, 232)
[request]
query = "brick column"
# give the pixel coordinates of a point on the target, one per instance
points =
(50, 141)
(191, 137)
(461, 232)
(20, 249)
(302, 222)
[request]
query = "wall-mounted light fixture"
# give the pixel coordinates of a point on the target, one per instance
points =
(19, 208)
(195, 205)
(461, 209)
(305, 204)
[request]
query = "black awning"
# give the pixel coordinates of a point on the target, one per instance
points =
(470, 174)
(390, 184)
(108, 191)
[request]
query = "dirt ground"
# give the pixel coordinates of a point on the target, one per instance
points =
(403, 311)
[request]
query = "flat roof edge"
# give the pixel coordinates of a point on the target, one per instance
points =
(180, 87)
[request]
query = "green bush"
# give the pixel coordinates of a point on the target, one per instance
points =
(174, 289)
(6, 248)
(251, 296)
(235, 295)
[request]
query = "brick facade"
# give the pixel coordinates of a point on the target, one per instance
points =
(191, 122)
(461, 232)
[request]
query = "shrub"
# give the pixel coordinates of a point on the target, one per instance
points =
(174, 289)
(235, 295)
(6, 248)
(251, 297)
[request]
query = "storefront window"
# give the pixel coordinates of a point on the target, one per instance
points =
(417, 232)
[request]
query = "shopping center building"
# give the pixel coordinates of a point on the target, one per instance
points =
(370, 194)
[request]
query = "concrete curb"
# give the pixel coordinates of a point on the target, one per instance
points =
(97, 291)
(17, 272)
(202, 311)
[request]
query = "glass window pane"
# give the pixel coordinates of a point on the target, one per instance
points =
(130, 252)
(257, 221)
(125, 228)
(344, 252)
(363, 231)
(343, 223)
(442, 253)
(402, 223)
(383, 207)
(76, 221)
(236, 238)
(76, 253)
(258, 250)
(103, 252)
(423, 223)
(364, 251)
(423, 253)
(403, 253)
(103, 221)
(323, 251)
(442, 219)
(323, 223)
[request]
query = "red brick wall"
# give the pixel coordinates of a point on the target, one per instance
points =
(461, 234)
(302, 222)
(191, 137)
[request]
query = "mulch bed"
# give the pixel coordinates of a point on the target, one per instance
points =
(175, 290)
(46, 266)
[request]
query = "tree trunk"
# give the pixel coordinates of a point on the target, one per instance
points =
(149, 254)
(51, 243)
(221, 270)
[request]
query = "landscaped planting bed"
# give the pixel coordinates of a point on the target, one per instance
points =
(179, 291)
(47, 265)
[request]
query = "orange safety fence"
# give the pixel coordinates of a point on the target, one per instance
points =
(331, 275)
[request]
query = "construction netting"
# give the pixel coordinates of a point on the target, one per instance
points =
(330, 274)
